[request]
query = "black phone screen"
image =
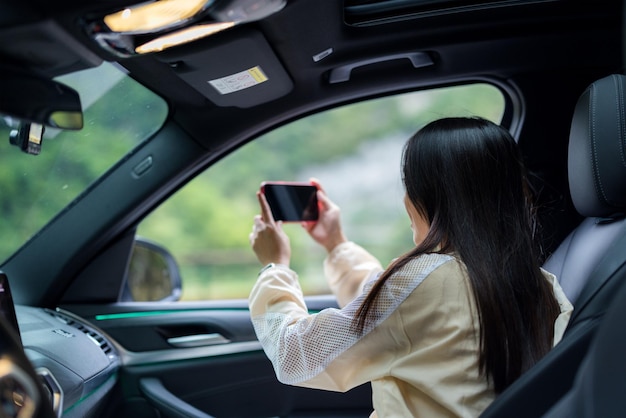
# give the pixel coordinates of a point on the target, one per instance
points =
(7, 308)
(292, 202)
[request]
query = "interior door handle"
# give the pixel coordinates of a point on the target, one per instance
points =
(197, 340)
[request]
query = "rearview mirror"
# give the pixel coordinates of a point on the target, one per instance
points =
(153, 274)
(33, 99)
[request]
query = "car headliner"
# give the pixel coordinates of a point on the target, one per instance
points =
(498, 42)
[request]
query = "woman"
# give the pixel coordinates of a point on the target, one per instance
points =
(446, 326)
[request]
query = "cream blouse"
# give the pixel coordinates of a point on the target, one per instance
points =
(431, 371)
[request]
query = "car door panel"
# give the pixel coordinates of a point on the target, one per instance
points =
(203, 360)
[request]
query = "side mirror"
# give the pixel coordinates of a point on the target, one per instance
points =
(153, 274)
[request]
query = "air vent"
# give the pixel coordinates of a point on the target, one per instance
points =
(95, 337)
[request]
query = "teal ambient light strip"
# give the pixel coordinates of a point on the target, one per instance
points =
(130, 315)
(126, 315)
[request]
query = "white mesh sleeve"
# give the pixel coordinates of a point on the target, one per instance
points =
(347, 268)
(300, 345)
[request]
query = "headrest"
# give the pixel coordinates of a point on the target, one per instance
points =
(597, 149)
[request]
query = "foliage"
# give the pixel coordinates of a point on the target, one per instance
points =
(207, 223)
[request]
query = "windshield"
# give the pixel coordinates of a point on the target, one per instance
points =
(119, 114)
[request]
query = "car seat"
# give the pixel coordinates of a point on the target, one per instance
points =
(596, 173)
(600, 385)
(589, 263)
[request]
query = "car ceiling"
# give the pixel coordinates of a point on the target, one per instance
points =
(497, 42)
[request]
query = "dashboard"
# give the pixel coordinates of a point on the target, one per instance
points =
(75, 362)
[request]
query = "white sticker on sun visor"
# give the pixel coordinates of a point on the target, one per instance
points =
(239, 81)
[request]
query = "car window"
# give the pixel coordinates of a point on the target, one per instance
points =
(119, 113)
(353, 150)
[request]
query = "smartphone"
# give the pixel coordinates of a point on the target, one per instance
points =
(290, 201)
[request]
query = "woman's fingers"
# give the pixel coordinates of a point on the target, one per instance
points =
(316, 183)
(323, 200)
(266, 212)
(257, 225)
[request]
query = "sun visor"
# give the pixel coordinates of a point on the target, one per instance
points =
(241, 71)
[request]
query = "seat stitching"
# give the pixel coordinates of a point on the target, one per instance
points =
(620, 115)
(594, 156)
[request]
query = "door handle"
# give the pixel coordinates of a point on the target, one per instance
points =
(197, 340)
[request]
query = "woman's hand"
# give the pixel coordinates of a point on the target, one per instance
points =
(268, 240)
(327, 230)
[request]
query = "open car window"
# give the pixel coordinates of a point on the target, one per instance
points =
(353, 150)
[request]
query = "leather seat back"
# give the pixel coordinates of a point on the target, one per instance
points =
(589, 262)
(597, 181)
(600, 385)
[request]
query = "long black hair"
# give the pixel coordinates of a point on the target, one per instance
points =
(467, 178)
